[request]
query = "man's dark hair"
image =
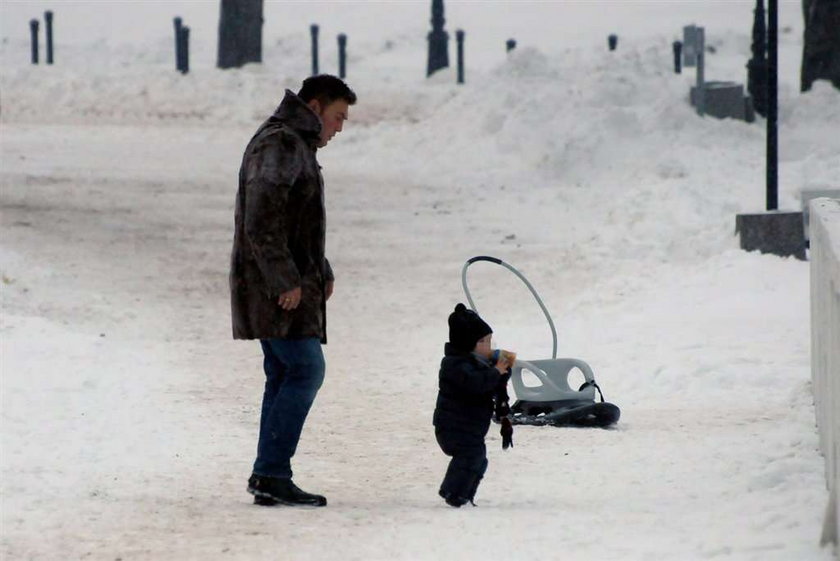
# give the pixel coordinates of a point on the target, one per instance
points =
(326, 89)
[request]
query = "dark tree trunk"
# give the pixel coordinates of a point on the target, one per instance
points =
(821, 51)
(240, 32)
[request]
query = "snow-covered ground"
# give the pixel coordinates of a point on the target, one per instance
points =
(129, 416)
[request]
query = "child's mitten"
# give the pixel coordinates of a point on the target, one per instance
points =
(507, 433)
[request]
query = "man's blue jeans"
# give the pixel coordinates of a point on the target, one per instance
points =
(294, 371)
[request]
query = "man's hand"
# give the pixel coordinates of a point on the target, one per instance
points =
(329, 289)
(290, 300)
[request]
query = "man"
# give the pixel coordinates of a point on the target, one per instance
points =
(280, 278)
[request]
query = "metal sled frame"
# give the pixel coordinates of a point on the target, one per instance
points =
(552, 401)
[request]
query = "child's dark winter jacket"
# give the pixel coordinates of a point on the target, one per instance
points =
(468, 385)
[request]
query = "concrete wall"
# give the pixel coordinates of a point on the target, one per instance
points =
(825, 346)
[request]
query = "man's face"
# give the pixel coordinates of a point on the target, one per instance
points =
(332, 116)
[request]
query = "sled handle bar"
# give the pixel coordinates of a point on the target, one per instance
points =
(497, 261)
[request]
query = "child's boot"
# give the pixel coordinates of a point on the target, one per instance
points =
(453, 500)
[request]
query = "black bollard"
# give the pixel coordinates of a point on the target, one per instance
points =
(185, 49)
(33, 28)
(612, 41)
(313, 30)
(677, 57)
(178, 57)
(700, 43)
(342, 56)
(48, 18)
(459, 37)
(510, 45)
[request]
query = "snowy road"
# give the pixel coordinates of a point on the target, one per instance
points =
(129, 417)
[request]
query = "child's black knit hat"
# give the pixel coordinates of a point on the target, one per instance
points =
(466, 328)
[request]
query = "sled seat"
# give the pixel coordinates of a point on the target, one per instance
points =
(553, 377)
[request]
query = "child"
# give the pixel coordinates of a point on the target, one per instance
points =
(470, 380)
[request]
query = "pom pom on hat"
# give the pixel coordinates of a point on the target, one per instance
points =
(466, 328)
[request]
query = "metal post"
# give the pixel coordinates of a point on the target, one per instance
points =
(510, 45)
(677, 57)
(612, 41)
(701, 62)
(48, 18)
(185, 49)
(342, 55)
(33, 28)
(313, 30)
(772, 105)
(459, 37)
(178, 26)
(689, 46)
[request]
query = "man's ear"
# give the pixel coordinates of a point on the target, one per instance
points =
(315, 105)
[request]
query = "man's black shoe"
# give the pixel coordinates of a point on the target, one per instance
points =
(269, 491)
(264, 501)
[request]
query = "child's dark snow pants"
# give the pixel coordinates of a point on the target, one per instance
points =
(467, 466)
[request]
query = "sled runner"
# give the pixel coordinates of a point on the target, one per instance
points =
(544, 396)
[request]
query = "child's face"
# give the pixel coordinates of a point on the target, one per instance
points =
(483, 348)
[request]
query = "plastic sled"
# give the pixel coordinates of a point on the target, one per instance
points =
(547, 398)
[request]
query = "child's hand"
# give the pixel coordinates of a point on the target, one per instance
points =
(505, 361)
(507, 433)
(509, 356)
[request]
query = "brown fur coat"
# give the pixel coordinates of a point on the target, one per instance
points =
(280, 225)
